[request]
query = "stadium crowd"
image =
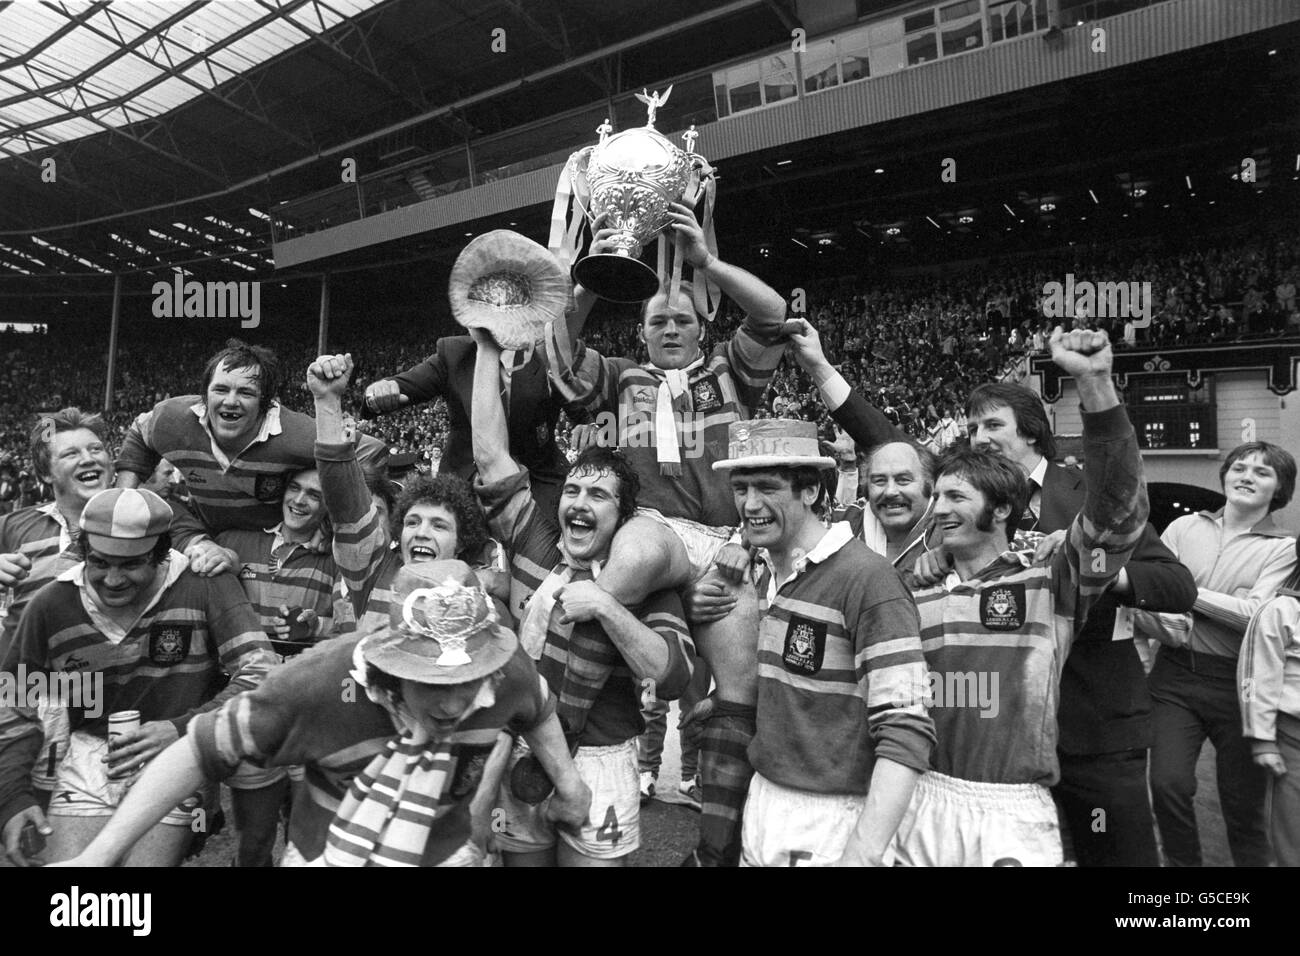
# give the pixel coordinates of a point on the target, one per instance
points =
(466, 667)
(914, 344)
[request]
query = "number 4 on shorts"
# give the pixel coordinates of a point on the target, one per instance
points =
(609, 831)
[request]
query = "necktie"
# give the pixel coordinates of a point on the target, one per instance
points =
(1029, 520)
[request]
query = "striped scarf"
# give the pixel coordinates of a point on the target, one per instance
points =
(388, 814)
(541, 606)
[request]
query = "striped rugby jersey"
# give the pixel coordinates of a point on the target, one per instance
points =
(44, 536)
(532, 540)
(996, 643)
(242, 493)
(294, 575)
(365, 563)
(312, 712)
(728, 387)
(167, 665)
(839, 665)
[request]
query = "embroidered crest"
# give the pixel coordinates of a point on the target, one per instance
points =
(194, 477)
(169, 643)
(269, 487)
(644, 396)
(805, 645)
(246, 573)
(705, 396)
(1002, 607)
(543, 434)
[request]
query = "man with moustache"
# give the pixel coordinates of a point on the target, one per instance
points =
(999, 628)
(568, 623)
(1105, 708)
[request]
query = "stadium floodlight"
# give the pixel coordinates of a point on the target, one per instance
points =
(1094, 197)
(1139, 192)
(798, 243)
(1011, 212)
(879, 170)
(1046, 206)
(784, 162)
(258, 213)
(935, 224)
(1189, 181)
(966, 220)
(892, 231)
(824, 242)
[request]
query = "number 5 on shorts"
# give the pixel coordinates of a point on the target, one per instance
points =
(609, 831)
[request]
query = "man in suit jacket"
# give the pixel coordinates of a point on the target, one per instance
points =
(532, 410)
(1105, 710)
(511, 286)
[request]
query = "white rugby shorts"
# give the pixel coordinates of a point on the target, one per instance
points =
(83, 788)
(953, 822)
(788, 827)
(613, 827)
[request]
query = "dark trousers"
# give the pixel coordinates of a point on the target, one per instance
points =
(1105, 804)
(1194, 697)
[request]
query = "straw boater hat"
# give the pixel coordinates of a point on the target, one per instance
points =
(509, 285)
(442, 628)
(772, 442)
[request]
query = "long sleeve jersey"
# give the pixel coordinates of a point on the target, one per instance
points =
(290, 575)
(727, 387)
(167, 665)
(996, 643)
(240, 492)
(312, 712)
(839, 671)
(532, 539)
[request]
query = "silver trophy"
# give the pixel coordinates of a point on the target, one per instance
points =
(630, 178)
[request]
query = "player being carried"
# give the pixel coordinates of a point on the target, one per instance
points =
(569, 624)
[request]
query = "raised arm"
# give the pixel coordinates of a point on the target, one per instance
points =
(763, 306)
(865, 423)
(359, 533)
(488, 414)
(1103, 536)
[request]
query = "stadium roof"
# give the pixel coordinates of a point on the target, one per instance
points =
(169, 129)
(75, 69)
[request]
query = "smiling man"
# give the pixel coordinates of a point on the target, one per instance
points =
(160, 636)
(70, 451)
(399, 733)
(235, 446)
(998, 629)
(1239, 558)
(288, 573)
(594, 651)
(434, 518)
(841, 735)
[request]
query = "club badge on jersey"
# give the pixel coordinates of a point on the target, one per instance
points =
(1002, 608)
(805, 645)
